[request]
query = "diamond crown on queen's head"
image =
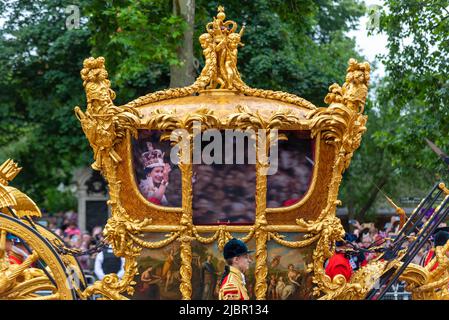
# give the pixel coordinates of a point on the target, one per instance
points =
(153, 157)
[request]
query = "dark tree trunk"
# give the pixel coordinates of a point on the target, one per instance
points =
(184, 74)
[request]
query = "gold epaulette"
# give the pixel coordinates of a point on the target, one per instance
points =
(233, 280)
(232, 288)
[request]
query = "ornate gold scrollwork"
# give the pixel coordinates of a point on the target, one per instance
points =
(308, 240)
(105, 126)
(24, 281)
(429, 282)
(342, 125)
(243, 119)
(12, 197)
(169, 122)
(247, 119)
(224, 236)
(8, 171)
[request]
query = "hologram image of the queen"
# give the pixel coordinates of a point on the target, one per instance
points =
(158, 180)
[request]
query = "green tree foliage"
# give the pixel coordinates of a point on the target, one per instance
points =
(138, 40)
(59, 200)
(411, 104)
(418, 58)
(40, 61)
(417, 84)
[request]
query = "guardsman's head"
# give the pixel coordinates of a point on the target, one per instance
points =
(236, 254)
(11, 240)
(441, 236)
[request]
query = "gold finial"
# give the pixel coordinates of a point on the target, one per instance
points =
(220, 48)
(220, 45)
(442, 186)
(399, 210)
(221, 14)
(8, 171)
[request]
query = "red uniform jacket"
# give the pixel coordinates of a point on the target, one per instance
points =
(290, 202)
(232, 287)
(339, 264)
(429, 258)
(155, 200)
(14, 260)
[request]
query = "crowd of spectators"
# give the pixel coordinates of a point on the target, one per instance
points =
(65, 225)
(291, 180)
(224, 193)
(368, 235)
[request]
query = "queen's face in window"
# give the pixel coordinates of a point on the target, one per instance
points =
(156, 173)
(156, 176)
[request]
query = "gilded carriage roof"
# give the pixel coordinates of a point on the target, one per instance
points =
(222, 102)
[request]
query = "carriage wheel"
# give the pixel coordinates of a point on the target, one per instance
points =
(70, 262)
(41, 276)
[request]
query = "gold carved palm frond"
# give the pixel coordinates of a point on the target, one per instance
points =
(8, 171)
(6, 198)
(12, 197)
(24, 205)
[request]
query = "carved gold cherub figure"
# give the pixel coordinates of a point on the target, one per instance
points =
(224, 42)
(231, 72)
(355, 88)
(209, 72)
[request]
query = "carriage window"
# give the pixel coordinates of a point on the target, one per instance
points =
(290, 182)
(224, 187)
(158, 179)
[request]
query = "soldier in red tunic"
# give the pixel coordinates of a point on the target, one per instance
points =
(440, 237)
(237, 257)
(340, 262)
(15, 254)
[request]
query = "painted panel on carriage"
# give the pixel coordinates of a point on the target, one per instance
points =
(287, 278)
(157, 177)
(159, 276)
(296, 160)
(159, 271)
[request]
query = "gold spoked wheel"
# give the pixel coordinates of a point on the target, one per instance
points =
(42, 275)
(70, 262)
